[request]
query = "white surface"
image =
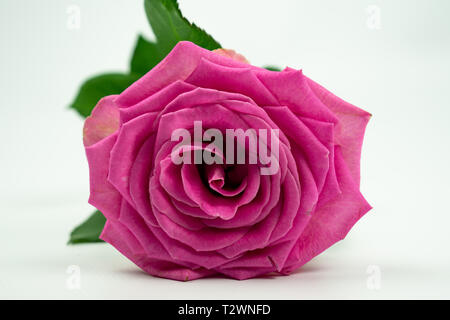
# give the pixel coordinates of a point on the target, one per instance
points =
(400, 73)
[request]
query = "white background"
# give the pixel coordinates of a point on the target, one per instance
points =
(399, 72)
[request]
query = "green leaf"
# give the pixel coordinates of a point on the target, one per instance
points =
(170, 27)
(89, 230)
(146, 55)
(272, 68)
(99, 86)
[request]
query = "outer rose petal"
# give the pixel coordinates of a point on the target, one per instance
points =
(232, 54)
(324, 131)
(103, 195)
(139, 177)
(331, 222)
(115, 234)
(103, 121)
(156, 102)
(316, 153)
(238, 80)
(99, 137)
(350, 128)
(292, 90)
(132, 136)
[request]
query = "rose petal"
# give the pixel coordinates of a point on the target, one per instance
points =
(316, 153)
(132, 136)
(119, 237)
(182, 252)
(238, 80)
(103, 121)
(330, 223)
(162, 205)
(231, 54)
(156, 102)
(291, 89)
(350, 129)
(324, 131)
(103, 195)
(140, 179)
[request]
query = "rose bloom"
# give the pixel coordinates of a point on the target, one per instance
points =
(188, 221)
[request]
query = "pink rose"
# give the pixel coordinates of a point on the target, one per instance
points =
(187, 221)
